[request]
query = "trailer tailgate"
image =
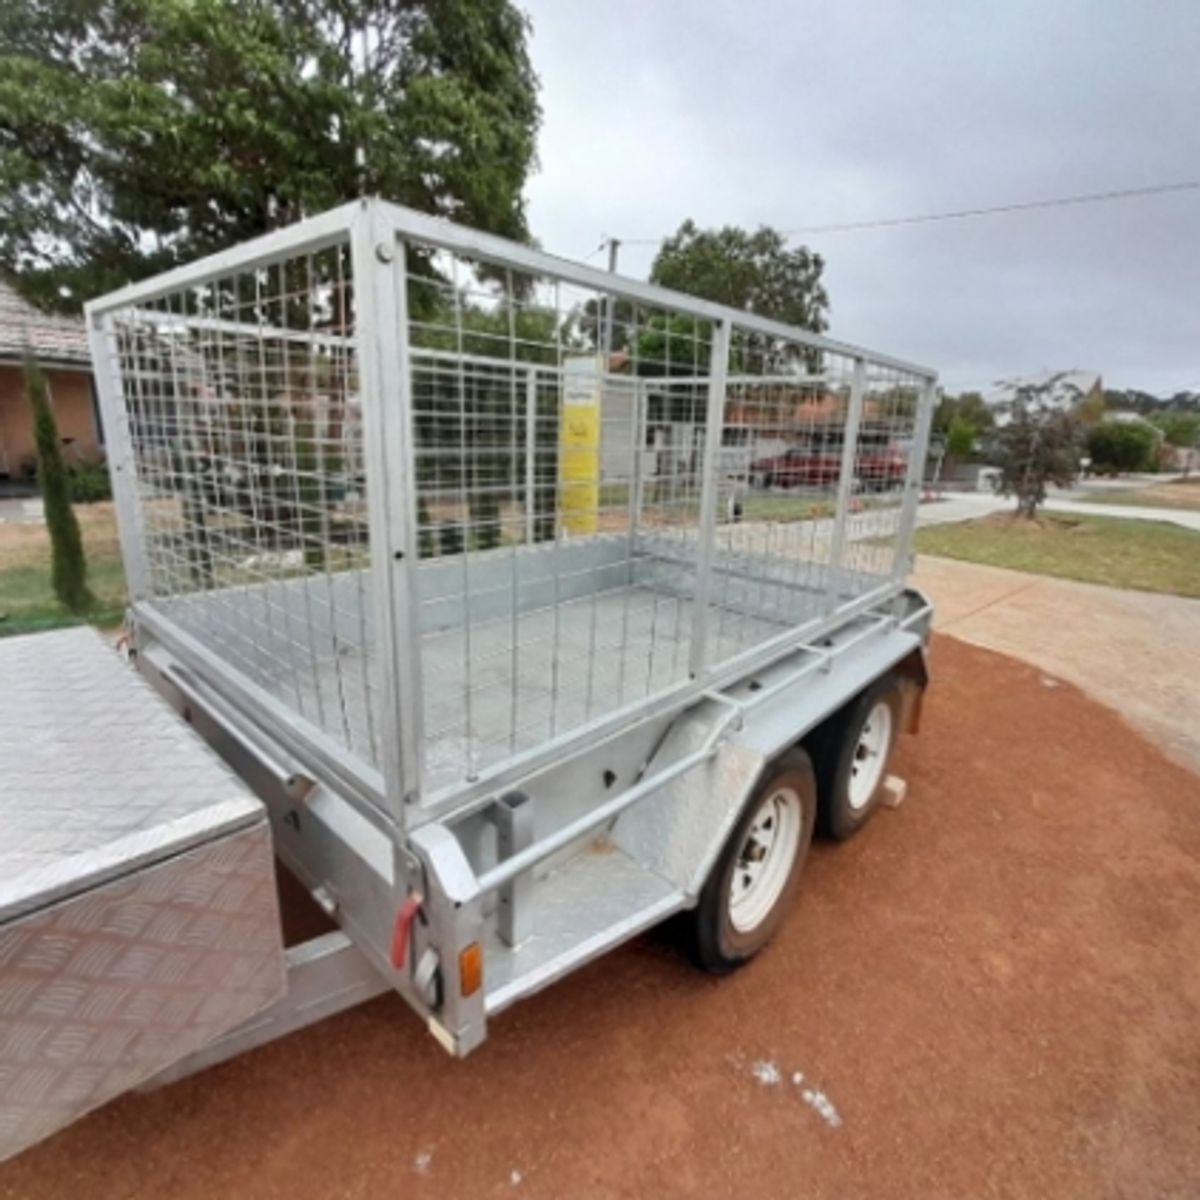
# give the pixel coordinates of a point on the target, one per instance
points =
(138, 913)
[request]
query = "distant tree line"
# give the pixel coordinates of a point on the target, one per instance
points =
(1145, 404)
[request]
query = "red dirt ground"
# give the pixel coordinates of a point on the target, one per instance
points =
(997, 988)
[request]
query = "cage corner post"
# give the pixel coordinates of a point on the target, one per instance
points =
(905, 554)
(381, 337)
(847, 471)
(714, 423)
(118, 438)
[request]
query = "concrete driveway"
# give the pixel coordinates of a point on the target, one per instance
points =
(1137, 652)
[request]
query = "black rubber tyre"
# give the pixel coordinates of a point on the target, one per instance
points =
(840, 756)
(717, 944)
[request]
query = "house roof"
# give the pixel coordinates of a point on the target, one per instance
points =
(1130, 418)
(51, 337)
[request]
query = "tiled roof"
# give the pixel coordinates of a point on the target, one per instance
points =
(53, 338)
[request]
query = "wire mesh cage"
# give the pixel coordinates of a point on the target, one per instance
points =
(241, 424)
(522, 499)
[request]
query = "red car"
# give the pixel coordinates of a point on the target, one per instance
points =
(879, 465)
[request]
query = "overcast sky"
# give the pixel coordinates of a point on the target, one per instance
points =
(796, 114)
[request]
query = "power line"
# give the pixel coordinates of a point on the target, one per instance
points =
(963, 214)
(997, 209)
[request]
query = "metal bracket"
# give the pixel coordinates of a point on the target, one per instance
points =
(512, 816)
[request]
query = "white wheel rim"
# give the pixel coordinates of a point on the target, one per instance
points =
(870, 755)
(764, 861)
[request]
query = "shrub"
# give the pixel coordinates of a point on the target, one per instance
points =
(1181, 429)
(484, 507)
(90, 481)
(1117, 446)
(960, 439)
(450, 538)
(427, 540)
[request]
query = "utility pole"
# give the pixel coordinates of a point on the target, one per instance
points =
(614, 246)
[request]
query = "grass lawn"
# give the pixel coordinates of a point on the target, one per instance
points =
(1171, 493)
(27, 600)
(769, 506)
(1151, 556)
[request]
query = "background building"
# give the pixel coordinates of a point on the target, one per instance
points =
(60, 344)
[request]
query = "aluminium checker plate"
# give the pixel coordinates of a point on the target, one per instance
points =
(138, 913)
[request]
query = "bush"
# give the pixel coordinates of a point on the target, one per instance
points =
(450, 538)
(960, 439)
(89, 481)
(1119, 446)
(484, 508)
(427, 539)
(1180, 429)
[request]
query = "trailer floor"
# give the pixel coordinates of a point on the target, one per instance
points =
(993, 992)
(550, 672)
(555, 669)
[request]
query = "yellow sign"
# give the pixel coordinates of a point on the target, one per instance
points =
(580, 444)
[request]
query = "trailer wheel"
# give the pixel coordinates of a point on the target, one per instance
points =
(855, 753)
(749, 888)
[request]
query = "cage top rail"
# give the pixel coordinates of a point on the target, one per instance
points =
(339, 223)
(308, 236)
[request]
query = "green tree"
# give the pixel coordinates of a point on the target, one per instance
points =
(755, 271)
(960, 439)
(1090, 409)
(592, 322)
(68, 567)
(1039, 445)
(752, 271)
(470, 425)
(673, 344)
(969, 408)
(1118, 446)
(135, 134)
(1130, 400)
(1179, 429)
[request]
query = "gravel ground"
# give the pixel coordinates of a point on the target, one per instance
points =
(994, 991)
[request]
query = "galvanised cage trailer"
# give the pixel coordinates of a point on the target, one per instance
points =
(514, 605)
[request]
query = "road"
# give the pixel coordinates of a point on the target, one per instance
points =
(965, 506)
(994, 991)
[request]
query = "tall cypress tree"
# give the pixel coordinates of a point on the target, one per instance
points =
(68, 565)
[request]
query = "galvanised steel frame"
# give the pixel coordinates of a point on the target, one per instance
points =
(385, 834)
